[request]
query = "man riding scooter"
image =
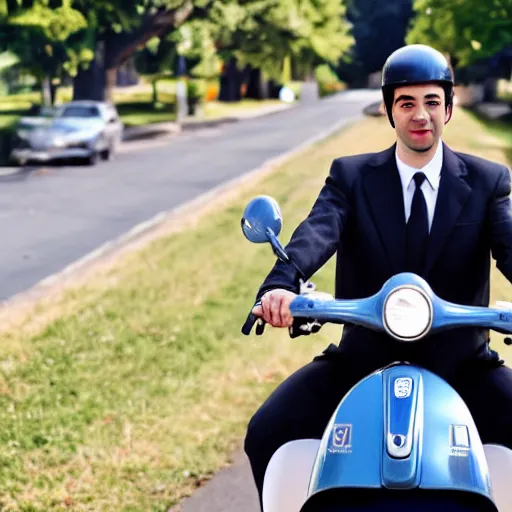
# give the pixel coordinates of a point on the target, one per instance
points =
(416, 207)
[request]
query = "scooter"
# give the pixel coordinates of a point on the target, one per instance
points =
(402, 439)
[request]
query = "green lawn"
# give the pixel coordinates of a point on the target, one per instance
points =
(216, 109)
(135, 109)
(505, 90)
(498, 131)
(124, 393)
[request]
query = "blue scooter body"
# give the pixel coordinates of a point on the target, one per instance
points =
(404, 428)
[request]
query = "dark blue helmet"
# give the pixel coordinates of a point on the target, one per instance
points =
(415, 64)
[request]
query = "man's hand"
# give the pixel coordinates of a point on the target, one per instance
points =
(275, 308)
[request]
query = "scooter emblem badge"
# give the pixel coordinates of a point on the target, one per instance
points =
(403, 387)
(341, 438)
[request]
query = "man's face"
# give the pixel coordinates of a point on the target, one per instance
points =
(419, 113)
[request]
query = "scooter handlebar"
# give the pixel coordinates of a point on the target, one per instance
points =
(251, 320)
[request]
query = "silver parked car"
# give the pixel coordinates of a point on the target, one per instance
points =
(80, 129)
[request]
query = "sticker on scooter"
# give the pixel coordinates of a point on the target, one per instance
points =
(341, 439)
(403, 387)
(459, 441)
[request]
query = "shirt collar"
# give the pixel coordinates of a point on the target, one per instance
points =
(432, 170)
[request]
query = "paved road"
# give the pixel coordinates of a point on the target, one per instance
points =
(230, 490)
(54, 216)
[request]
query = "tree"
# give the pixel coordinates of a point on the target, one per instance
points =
(118, 28)
(259, 35)
(468, 31)
(44, 39)
(379, 29)
(7, 60)
(155, 61)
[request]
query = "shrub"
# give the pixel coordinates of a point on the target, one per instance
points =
(212, 91)
(328, 81)
(327, 88)
(296, 87)
(196, 89)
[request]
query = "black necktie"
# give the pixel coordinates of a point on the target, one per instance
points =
(417, 229)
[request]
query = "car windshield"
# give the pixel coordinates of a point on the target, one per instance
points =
(80, 111)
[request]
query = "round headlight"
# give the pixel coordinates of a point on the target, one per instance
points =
(407, 314)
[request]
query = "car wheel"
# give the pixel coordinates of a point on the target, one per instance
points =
(92, 159)
(108, 153)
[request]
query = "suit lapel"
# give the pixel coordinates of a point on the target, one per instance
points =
(451, 198)
(383, 190)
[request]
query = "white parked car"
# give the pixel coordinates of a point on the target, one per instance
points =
(87, 130)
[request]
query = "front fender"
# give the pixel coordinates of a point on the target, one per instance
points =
(402, 427)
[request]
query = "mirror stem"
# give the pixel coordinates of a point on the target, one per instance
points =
(276, 246)
(280, 252)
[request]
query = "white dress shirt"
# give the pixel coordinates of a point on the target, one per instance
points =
(430, 186)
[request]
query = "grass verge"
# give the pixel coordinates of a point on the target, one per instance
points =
(135, 108)
(217, 109)
(143, 385)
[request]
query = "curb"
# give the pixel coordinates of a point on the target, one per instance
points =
(8, 171)
(174, 128)
(162, 224)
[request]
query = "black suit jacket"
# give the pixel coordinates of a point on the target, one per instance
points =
(359, 215)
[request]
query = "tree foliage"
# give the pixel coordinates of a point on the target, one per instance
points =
(379, 28)
(264, 32)
(118, 29)
(46, 38)
(56, 37)
(468, 30)
(261, 33)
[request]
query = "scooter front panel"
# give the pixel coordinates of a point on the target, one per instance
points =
(402, 427)
(453, 456)
(349, 453)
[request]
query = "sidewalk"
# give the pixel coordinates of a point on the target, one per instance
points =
(192, 123)
(494, 111)
(212, 495)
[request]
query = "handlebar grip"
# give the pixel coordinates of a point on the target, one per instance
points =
(251, 320)
(260, 327)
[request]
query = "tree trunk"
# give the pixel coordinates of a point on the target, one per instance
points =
(110, 83)
(89, 84)
(46, 93)
(450, 62)
(230, 82)
(114, 49)
(155, 91)
(490, 90)
(255, 89)
(53, 93)
(273, 89)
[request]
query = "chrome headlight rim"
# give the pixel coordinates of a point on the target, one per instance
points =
(428, 326)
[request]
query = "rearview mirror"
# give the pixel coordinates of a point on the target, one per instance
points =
(261, 215)
(262, 222)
